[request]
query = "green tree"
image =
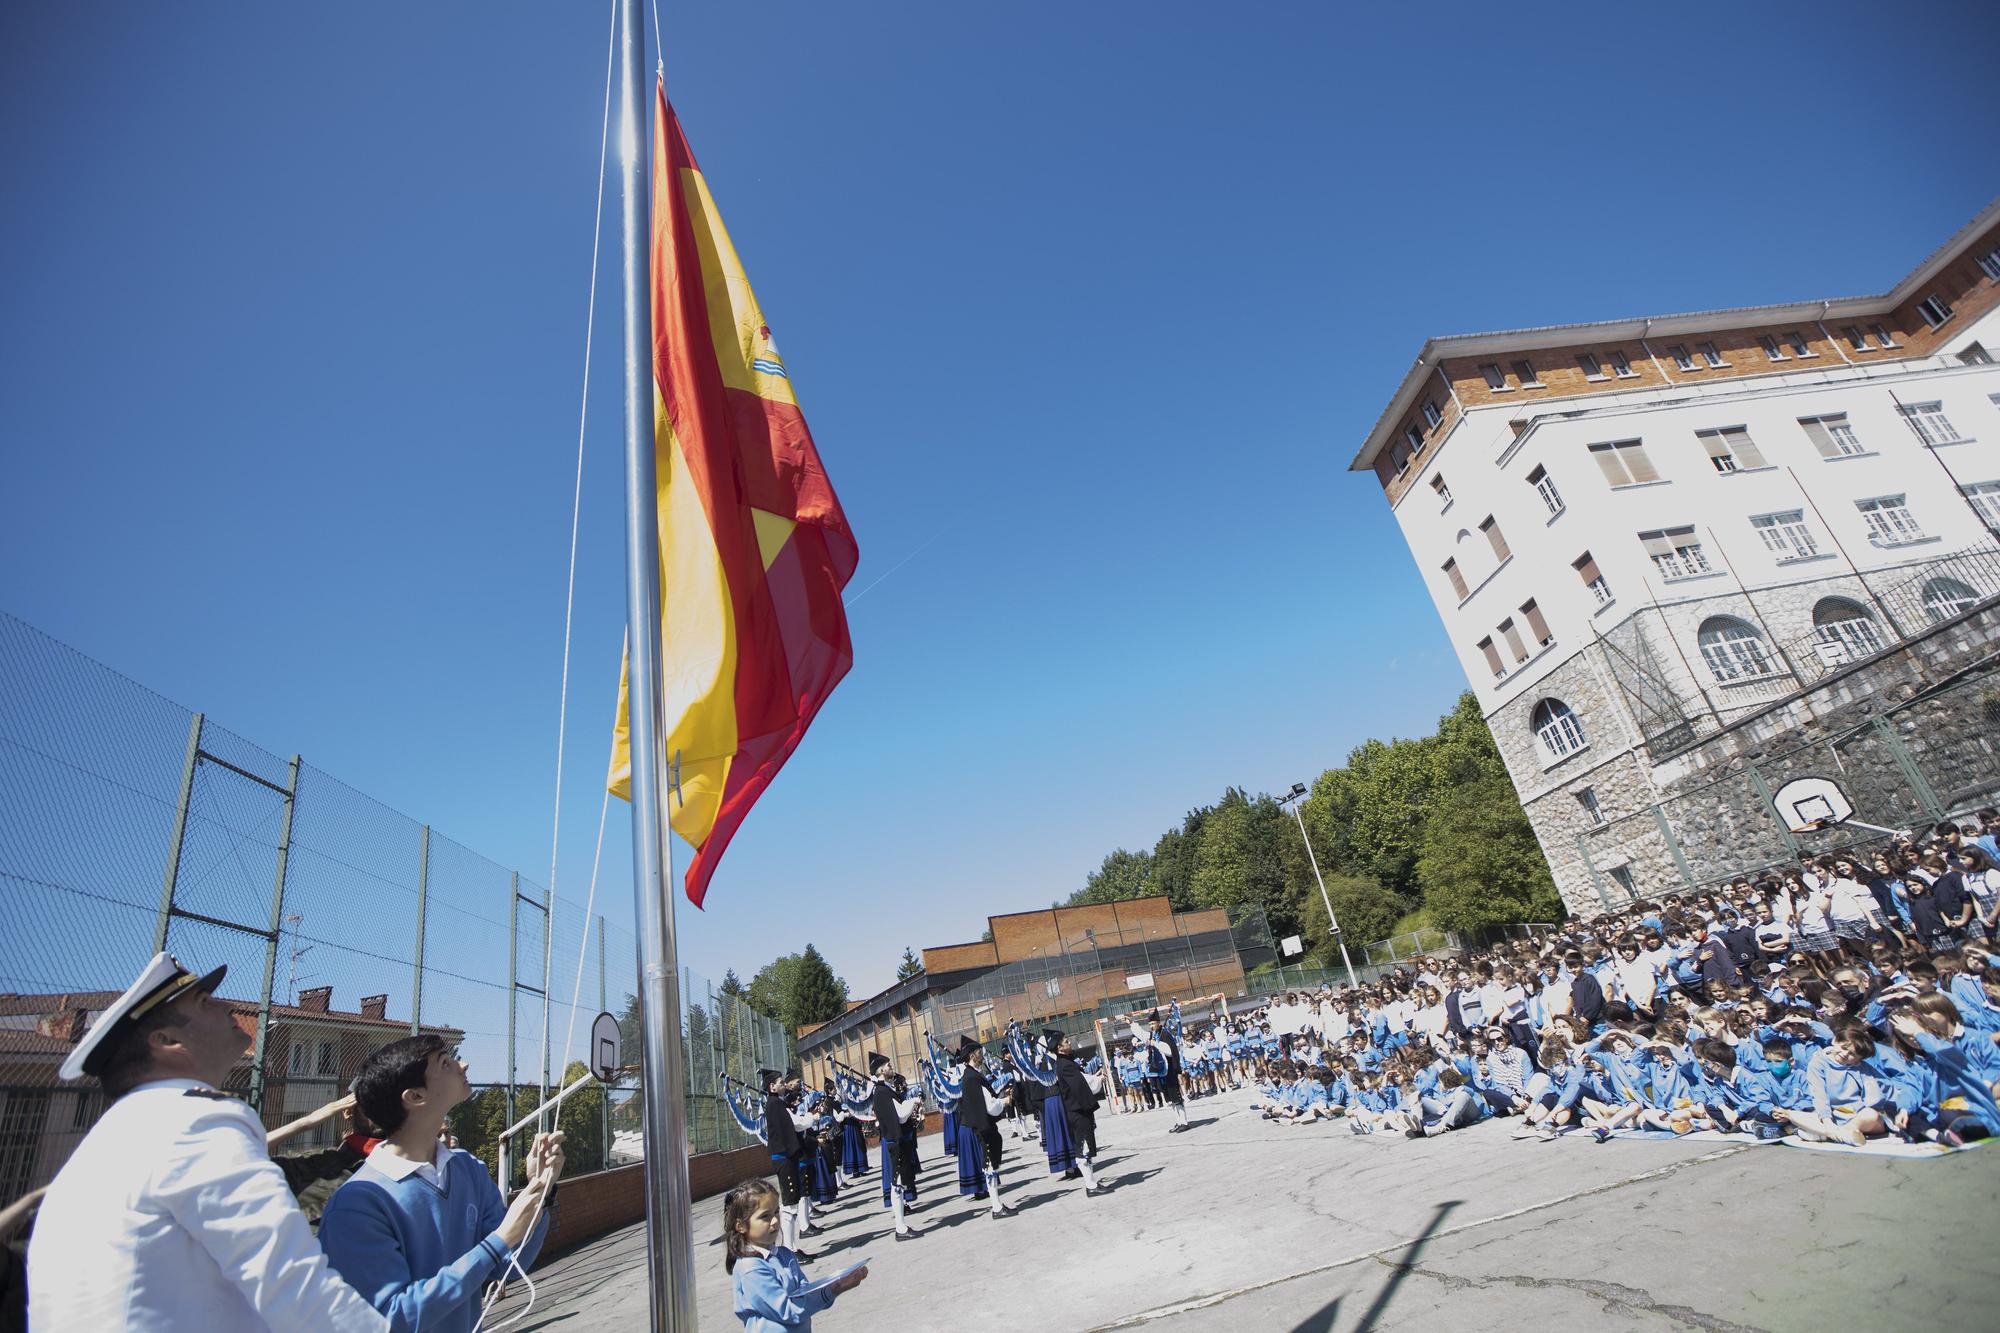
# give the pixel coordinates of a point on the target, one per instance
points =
(1480, 863)
(1174, 857)
(1239, 863)
(770, 991)
(581, 1121)
(910, 965)
(1124, 875)
(798, 990)
(731, 983)
(1367, 912)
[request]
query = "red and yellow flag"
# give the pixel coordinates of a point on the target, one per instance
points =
(754, 548)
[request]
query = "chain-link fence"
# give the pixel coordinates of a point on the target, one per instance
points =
(129, 824)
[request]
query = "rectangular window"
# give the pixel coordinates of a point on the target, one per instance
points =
(1889, 520)
(1730, 448)
(1624, 462)
(297, 1063)
(326, 1057)
(1491, 528)
(1786, 535)
(1545, 487)
(1984, 496)
(1622, 877)
(1587, 798)
(1537, 626)
(1975, 354)
(1432, 416)
(1586, 568)
(1524, 371)
(1856, 338)
(1493, 658)
(1495, 377)
(1989, 263)
(1513, 638)
(1622, 368)
(1832, 436)
(1934, 310)
(1930, 423)
(1675, 552)
(1710, 354)
(1682, 357)
(1457, 579)
(1443, 491)
(1771, 348)
(1882, 335)
(1798, 344)
(1591, 370)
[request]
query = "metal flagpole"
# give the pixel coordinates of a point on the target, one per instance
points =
(1332, 923)
(663, 1083)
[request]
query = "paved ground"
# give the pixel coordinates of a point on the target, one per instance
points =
(1243, 1224)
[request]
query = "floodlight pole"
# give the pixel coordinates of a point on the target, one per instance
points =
(1332, 923)
(663, 1083)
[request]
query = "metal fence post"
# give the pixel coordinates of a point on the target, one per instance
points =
(1596, 879)
(423, 889)
(548, 945)
(1764, 794)
(180, 834)
(1673, 845)
(513, 995)
(1919, 784)
(604, 1006)
(271, 940)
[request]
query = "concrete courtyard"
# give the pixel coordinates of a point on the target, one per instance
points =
(1245, 1224)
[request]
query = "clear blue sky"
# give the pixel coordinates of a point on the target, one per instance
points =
(1088, 307)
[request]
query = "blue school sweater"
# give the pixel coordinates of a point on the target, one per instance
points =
(769, 1295)
(1850, 1087)
(1956, 1077)
(418, 1252)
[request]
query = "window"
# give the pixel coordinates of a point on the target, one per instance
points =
(1495, 377)
(1989, 263)
(1451, 572)
(1733, 649)
(1786, 535)
(1591, 369)
(1882, 335)
(24, 1114)
(1492, 658)
(1832, 436)
(1771, 348)
(1443, 491)
(1682, 357)
(1557, 729)
(1624, 462)
(1856, 338)
(1984, 497)
(1404, 450)
(1586, 568)
(1545, 487)
(1711, 355)
(326, 1057)
(1513, 638)
(1524, 371)
(1844, 632)
(1934, 310)
(1537, 625)
(1622, 877)
(298, 1059)
(88, 1104)
(1945, 598)
(1930, 423)
(1432, 416)
(1889, 520)
(1730, 448)
(1499, 543)
(1587, 798)
(1799, 345)
(1975, 354)
(1675, 552)
(1622, 368)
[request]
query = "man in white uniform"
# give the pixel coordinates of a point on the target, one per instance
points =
(170, 1214)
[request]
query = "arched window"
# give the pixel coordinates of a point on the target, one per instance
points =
(1556, 728)
(1843, 631)
(1945, 598)
(1733, 649)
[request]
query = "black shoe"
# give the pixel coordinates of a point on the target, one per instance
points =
(1072, 1174)
(813, 1231)
(1413, 1133)
(907, 1235)
(803, 1257)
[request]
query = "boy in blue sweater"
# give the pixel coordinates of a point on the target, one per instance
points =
(419, 1228)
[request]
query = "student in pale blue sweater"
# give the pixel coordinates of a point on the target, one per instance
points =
(769, 1286)
(420, 1228)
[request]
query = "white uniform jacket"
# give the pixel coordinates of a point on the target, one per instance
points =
(171, 1215)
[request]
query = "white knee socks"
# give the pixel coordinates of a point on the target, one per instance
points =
(1089, 1177)
(896, 1209)
(993, 1187)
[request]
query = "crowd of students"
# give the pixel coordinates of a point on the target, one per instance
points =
(1848, 998)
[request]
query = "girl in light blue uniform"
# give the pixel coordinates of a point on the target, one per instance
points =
(770, 1288)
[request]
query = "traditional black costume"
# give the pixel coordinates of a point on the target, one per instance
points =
(896, 1159)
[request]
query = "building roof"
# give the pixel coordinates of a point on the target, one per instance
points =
(54, 1002)
(1436, 349)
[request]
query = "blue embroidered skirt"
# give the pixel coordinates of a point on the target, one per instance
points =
(1056, 1140)
(971, 1163)
(853, 1149)
(951, 1131)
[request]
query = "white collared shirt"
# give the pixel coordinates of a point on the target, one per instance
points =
(396, 1166)
(170, 1215)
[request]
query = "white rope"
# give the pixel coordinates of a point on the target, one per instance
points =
(562, 709)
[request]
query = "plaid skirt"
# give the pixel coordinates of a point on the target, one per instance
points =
(1808, 940)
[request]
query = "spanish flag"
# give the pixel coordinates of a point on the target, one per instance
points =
(754, 548)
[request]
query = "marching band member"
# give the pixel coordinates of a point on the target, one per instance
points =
(1079, 1101)
(890, 1115)
(979, 1129)
(170, 1213)
(788, 1158)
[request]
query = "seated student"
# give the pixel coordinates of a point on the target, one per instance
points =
(1725, 1095)
(1371, 1105)
(767, 1280)
(1780, 1083)
(420, 1227)
(1847, 1089)
(1454, 1107)
(1500, 1074)
(1962, 1074)
(1613, 1094)
(1552, 1092)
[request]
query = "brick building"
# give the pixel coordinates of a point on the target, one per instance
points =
(1661, 544)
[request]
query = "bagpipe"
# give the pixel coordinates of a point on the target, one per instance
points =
(941, 1075)
(1032, 1058)
(746, 1106)
(855, 1094)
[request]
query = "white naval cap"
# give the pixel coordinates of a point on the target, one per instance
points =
(163, 981)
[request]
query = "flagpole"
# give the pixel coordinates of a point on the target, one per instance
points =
(663, 1083)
